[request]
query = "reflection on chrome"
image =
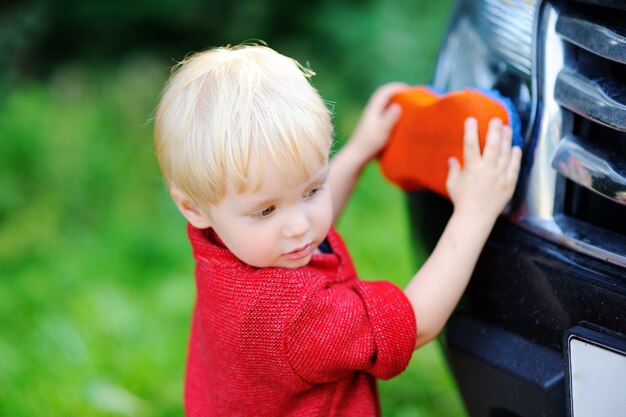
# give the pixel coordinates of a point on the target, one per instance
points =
(590, 168)
(487, 31)
(509, 29)
(590, 98)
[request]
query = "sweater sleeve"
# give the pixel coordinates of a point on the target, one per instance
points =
(339, 329)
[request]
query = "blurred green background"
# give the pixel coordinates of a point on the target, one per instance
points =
(96, 274)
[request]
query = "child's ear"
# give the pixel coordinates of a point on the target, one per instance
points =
(189, 210)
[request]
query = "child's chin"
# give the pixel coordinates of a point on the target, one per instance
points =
(296, 263)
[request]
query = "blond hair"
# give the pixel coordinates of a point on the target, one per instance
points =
(226, 108)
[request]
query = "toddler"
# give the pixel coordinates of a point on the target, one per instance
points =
(282, 326)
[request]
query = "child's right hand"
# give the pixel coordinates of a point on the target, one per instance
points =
(486, 182)
(377, 120)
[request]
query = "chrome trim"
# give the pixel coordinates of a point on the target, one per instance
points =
(616, 4)
(580, 237)
(589, 98)
(600, 38)
(590, 240)
(591, 167)
(541, 181)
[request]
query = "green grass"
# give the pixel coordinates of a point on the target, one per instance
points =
(94, 304)
(97, 277)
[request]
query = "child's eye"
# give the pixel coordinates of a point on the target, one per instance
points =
(265, 212)
(312, 192)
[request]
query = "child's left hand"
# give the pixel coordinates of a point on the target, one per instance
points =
(372, 131)
(487, 181)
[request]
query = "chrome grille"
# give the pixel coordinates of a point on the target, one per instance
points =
(575, 189)
(592, 85)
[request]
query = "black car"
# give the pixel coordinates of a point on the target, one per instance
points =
(541, 330)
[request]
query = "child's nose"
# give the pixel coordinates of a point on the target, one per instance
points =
(297, 225)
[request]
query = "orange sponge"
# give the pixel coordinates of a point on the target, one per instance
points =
(430, 131)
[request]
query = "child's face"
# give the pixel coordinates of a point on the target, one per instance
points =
(278, 225)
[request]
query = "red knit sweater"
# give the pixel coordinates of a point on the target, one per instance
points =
(291, 342)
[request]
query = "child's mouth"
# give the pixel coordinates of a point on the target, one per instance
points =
(301, 252)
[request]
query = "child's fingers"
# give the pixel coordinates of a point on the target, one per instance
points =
(383, 94)
(471, 148)
(505, 147)
(514, 164)
(493, 141)
(454, 172)
(391, 116)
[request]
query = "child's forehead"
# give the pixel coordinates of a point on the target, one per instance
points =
(266, 178)
(265, 171)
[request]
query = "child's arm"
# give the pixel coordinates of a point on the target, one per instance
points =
(479, 193)
(368, 139)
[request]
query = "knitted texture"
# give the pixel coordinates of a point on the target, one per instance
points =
(291, 342)
(430, 131)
